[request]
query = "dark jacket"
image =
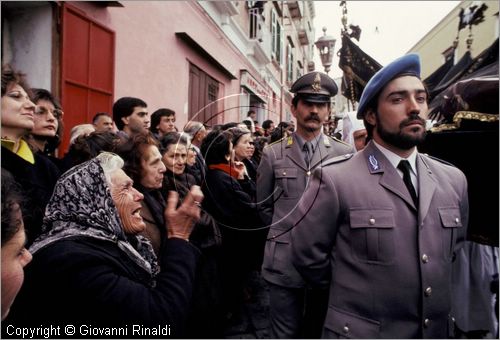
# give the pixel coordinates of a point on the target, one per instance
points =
(37, 182)
(205, 233)
(232, 203)
(205, 318)
(86, 281)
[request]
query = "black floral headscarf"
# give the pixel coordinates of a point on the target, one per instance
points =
(82, 206)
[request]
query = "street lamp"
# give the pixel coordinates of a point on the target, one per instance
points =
(325, 45)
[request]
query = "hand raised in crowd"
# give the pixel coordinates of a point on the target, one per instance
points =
(180, 222)
(240, 169)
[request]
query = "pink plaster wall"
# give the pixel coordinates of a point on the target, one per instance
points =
(153, 64)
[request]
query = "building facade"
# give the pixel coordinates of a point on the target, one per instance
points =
(439, 43)
(209, 61)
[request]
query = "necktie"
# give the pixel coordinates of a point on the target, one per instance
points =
(308, 151)
(405, 167)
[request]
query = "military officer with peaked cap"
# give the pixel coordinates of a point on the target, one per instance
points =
(283, 174)
(386, 253)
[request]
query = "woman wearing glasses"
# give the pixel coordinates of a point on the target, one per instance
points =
(46, 134)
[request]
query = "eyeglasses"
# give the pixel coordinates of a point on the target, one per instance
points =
(41, 110)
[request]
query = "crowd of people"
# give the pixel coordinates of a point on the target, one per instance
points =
(140, 222)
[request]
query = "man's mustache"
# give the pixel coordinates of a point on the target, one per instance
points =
(414, 118)
(313, 117)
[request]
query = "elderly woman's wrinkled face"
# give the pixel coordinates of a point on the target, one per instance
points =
(17, 109)
(243, 148)
(128, 202)
(175, 158)
(152, 168)
(14, 258)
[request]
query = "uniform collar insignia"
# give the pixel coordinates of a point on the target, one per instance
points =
(373, 163)
(289, 141)
(316, 85)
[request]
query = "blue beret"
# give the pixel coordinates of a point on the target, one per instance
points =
(408, 64)
(316, 87)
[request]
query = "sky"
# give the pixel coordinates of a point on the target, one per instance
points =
(388, 28)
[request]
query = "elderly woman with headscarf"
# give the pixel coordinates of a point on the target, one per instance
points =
(91, 268)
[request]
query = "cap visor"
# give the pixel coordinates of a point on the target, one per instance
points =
(315, 98)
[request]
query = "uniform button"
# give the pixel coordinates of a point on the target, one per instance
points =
(346, 329)
(425, 258)
(426, 323)
(371, 221)
(457, 220)
(428, 291)
(284, 173)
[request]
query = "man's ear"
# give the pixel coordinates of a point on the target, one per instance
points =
(125, 120)
(370, 117)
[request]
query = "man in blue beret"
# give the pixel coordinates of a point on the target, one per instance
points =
(382, 228)
(283, 174)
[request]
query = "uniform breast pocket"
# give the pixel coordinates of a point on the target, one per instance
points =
(286, 180)
(450, 221)
(372, 235)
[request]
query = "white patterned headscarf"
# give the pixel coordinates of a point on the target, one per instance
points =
(82, 207)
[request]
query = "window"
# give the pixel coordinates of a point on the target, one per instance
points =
(275, 37)
(202, 96)
(289, 65)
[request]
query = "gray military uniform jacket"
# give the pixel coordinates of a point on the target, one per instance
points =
(281, 181)
(388, 264)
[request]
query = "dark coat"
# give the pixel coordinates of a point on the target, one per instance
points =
(86, 281)
(205, 318)
(37, 182)
(251, 168)
(232, 203)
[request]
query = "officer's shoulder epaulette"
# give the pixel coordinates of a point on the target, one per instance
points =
(340, 141)
(439, 160)
(275, 142)
(338, 159)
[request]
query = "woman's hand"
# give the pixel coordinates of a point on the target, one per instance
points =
(240, 169)
(180, 222)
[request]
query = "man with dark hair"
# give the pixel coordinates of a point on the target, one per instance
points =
(102, 122)
(162, 122)
(268, 126)
(131, 116)
(251, 114)
(382, 229)
(283, 174)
